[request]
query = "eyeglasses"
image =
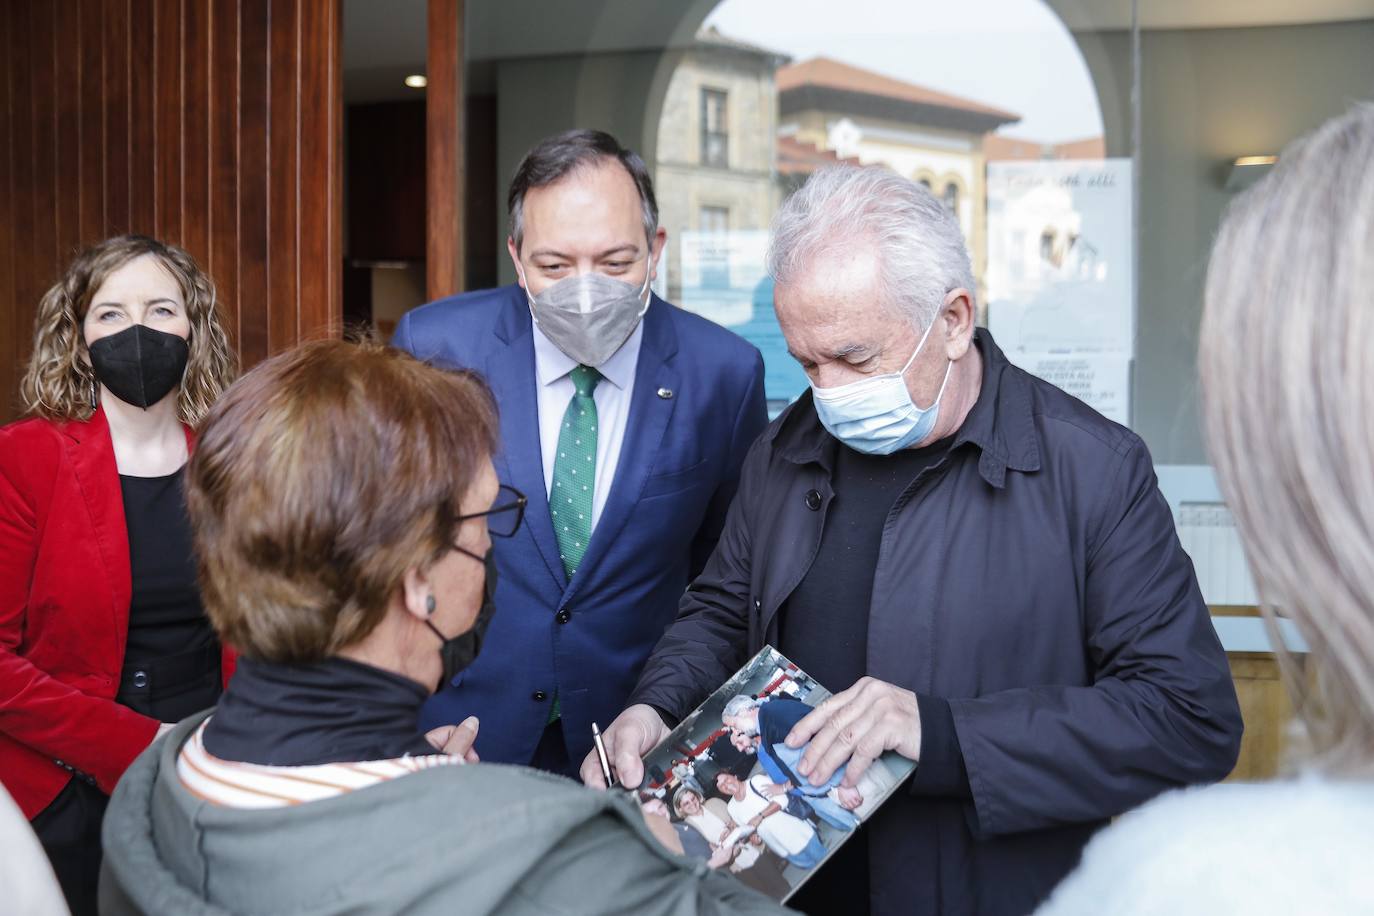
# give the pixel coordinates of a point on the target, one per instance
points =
(506, 513)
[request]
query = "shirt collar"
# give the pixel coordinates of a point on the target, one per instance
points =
(552, 364)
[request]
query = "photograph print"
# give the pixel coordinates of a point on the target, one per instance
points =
(727, 784)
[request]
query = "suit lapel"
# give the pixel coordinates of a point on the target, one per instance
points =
(647, 420)
(510, 372)
(93, 463)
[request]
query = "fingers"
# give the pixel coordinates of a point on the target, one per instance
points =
(830, 749)
(633, 734)
(638, 730)
(438, 737)
(836, 737)
(865, 753)
(626, 765)
(455, 740)
(815, 720)
(591, 771)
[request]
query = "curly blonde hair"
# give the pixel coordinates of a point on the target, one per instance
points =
(58, 381)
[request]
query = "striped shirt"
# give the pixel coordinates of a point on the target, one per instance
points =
(252, 785)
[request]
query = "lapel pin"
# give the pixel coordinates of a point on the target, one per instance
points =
(665, 393)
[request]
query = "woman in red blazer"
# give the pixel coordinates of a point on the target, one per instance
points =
(102, 636)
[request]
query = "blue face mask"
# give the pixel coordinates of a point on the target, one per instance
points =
(876, 415)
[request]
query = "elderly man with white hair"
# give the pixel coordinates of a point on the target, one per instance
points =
(981, 564)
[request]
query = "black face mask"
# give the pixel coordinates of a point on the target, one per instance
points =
(139, 365)
(460, 651)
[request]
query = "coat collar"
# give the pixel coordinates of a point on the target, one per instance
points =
(1001, 424)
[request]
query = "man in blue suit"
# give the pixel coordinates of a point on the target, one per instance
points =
(624, 420)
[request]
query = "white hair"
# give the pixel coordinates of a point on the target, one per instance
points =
(1288, 396)
(920, 247)
(739, 704)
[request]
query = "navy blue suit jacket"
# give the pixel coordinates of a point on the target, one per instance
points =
(697, 405)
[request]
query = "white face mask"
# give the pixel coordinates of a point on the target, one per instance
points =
(876, 415)
(589, 316)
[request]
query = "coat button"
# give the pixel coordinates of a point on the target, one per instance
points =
(813, 499)
(140, 679)
(539, 696)
(563, 616)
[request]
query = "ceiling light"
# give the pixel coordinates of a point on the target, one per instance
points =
(416, 81)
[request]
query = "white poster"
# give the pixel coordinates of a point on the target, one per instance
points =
(1101, 382)
(721, 272)
(1061, 274)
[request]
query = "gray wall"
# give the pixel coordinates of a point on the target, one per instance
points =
(1207, 97)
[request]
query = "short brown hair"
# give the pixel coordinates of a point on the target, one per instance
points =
(320, 477)
(57, 382)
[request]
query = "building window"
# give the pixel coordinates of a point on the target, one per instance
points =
(1047, 245)
(951, 198)
(714, 223)
(714, 133)
(715, 220)
(925, 183)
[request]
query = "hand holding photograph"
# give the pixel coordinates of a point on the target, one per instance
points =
(726, 783)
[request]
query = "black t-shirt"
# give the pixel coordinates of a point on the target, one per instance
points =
(824, 623)
(165, 614)
(823, 626)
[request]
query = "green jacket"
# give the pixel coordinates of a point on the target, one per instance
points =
(461, 839)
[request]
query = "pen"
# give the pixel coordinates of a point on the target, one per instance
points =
(601, 755)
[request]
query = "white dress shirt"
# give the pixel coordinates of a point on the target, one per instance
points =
(612, 395)
(785, 834)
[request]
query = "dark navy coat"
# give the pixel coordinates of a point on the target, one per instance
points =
(1031, 585)
(696, 407)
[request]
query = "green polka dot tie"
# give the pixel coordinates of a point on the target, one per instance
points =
(574, 471)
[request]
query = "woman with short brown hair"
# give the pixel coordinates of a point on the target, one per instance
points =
(102, 636)
(344, 500)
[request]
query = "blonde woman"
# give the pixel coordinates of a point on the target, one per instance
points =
(102, 635)
(1287, 367)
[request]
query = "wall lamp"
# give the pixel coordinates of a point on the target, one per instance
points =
(1247, 170)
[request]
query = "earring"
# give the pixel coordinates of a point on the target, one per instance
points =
(429, 604)
(94, 403)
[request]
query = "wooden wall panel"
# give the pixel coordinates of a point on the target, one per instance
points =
(222, 185)
(41, 98)
(168, 101)
(319, 172)
(112, 94)
(213, 124)
(197, 154)
(445, 269)
(142, 134)
(9, 319)
(284, 113)
(16, 210)
(66, 90)
(1267, 710)
(252, 189)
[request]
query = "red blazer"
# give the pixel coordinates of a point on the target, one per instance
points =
(65, 587)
